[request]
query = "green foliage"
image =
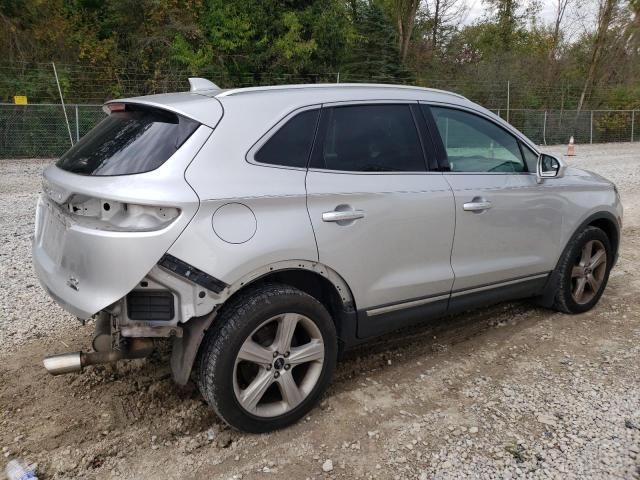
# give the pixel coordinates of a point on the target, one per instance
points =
(194, 59)
(291, 46)
(374, 53)
(112, 48)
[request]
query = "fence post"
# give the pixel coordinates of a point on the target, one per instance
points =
(77, 124)
(591, 128)
(338, 78)
(544, 129)
(508, 97)
(633, 115)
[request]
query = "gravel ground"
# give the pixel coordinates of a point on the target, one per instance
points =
(512, 391)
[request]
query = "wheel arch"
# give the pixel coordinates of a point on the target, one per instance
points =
(313, 278)
(604, 220)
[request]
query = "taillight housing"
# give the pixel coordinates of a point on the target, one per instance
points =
(106, 214)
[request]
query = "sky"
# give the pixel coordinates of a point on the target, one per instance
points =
(477, 8)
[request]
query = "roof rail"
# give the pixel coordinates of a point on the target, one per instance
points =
(197, 84)
(245, 90)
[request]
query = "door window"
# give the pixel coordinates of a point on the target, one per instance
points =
(368, 138)
(291, 144)
(474, 144)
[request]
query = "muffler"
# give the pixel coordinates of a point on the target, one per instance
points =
(76, 361)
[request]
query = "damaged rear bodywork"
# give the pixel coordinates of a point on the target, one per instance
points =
(86, 261)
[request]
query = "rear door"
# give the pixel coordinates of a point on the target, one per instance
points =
(507, 225)
(381, 219)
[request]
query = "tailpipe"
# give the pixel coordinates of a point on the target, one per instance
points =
(63, 363)
(76, 361)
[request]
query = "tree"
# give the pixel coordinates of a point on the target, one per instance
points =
(510, 19)
(442, 17)
(404, 13)
(606, 11)
(373, 51)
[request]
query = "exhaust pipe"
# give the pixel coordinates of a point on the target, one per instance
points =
(76, 361)
(63, 363)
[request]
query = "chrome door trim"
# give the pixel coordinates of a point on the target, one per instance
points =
(424, 301)
(401, 306)
(499, 284)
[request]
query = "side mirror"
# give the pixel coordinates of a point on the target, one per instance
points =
(549, 167)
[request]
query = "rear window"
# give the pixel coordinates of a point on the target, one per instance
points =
(136, 140)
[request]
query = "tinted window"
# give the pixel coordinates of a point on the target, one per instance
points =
(474, 144)
(291, 144)
(136, 140)
(369, 138)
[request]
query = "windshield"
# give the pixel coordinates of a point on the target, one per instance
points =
(136, 140)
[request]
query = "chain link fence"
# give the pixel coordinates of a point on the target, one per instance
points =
(542, 112)
(552, 127)
(40, 130)
(32, 131)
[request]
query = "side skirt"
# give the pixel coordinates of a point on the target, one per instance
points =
(492, 294)
(388, 318)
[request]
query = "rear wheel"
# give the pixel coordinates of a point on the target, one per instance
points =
(584, 271)
(269, 358)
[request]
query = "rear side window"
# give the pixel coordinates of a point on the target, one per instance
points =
(291, 144)
(136, 140)
(368, 138)
(475, 144)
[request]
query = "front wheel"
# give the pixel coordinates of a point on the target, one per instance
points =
(269, 358)
(584, 271)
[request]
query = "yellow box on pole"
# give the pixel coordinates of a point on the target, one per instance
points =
(20, 100)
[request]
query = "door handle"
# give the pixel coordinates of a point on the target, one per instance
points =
(477, 205)
(342, 216)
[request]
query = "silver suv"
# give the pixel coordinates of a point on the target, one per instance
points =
(265, 230)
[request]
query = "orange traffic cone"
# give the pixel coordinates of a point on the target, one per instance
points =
(571, 148)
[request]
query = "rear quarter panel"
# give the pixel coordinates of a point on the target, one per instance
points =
(221, 175)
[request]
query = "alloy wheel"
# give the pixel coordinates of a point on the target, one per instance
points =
(278, 365)
(589, 272)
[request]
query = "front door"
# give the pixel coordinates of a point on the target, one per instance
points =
(508, 227)
(381, 220)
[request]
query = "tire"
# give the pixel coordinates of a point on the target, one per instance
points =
(251, 327)
(572, 269)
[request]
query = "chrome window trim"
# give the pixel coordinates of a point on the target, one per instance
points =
(356, 172)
